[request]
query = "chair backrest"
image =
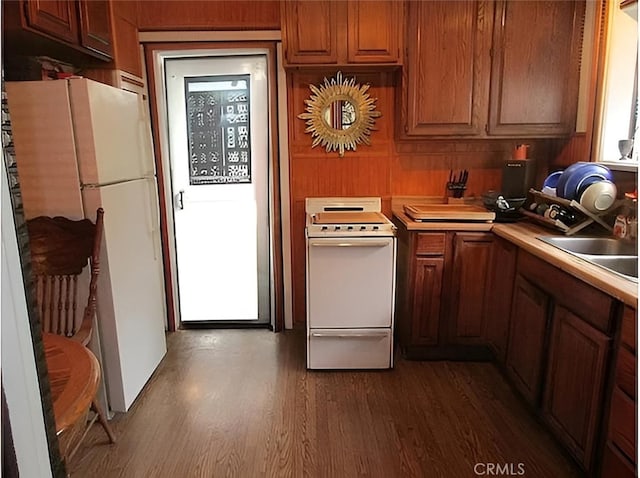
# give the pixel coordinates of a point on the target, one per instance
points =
(61, 248)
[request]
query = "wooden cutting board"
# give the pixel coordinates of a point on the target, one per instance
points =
(448, 212)
(349, 218)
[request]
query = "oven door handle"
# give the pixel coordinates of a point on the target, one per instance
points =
(347, 243)
(346, 336)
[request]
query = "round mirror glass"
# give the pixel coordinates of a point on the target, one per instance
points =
(340, 114)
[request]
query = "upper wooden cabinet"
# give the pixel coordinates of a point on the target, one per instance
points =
(126, 55)
(58, 18)
(535, 67)
(326, 32)
(480, 68)
(59, 28)
(95, 26)
(446, 73)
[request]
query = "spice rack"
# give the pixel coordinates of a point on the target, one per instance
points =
(587, 216)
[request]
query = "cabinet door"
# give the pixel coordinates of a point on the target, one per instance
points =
(426, 300)
(95, 26)
(373, 31)
(529, 315)
(575, 382)
(310, 31)
(535, 67)
(446, 79)
(471, 256)
(58, 18)
(497, 304)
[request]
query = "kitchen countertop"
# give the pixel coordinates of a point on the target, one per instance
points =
(524, 234)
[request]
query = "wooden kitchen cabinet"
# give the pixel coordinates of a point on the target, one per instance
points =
(425, 314)
(572, 404)
(471, 262)
(65, 29)
(126, 55)
(325, 32)
(620, 452)
(484, 69)
(58, 18)
(446, 74)
(499, 290)
(441, 278)
(559, 352)
(95, 26)
(527, 337)
(535, 68)
(125, 70)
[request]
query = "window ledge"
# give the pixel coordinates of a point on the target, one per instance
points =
(631, 166)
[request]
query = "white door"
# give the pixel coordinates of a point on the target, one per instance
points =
(218, 143)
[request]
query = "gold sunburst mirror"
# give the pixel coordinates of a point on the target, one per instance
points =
(340, 114)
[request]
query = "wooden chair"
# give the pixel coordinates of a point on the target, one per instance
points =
(60, 251)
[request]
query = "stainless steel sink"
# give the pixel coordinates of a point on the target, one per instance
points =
(619, 257)
(593, 245)
(625, 265)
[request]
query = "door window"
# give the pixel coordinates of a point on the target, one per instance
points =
(218, 129)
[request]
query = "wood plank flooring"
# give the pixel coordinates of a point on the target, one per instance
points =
(240, 403)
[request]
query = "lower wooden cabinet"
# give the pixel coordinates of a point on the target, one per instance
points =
(559, 352)
(619, 460)
(458, 292)
(425, 314)
(499, 292)
(440, 296)
(572, 404)
(615, 465)
(470, 269)
(525, 356)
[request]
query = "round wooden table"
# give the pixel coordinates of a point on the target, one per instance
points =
(74, 374)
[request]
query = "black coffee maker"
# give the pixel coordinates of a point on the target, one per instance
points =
(518, 176)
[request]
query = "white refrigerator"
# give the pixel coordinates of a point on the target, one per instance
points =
(81, 145)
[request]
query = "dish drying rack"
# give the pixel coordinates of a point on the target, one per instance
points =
(587, 216)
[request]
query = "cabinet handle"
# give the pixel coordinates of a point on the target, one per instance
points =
(346, 336)
(349, 244)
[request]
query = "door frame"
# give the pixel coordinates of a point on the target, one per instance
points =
(154, 56)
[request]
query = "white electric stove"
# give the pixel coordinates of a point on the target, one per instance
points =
(351, 262)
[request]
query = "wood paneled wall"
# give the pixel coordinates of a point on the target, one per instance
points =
(208, 15)
(386, 168)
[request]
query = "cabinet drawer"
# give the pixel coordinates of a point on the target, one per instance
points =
(622, 424)
(349, 348)
(614, 465)
(432, 244)
(629, 328)
(626, 372)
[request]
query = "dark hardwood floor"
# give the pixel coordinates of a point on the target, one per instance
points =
(240, 403)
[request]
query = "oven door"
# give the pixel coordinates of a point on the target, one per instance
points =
(350, 282)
